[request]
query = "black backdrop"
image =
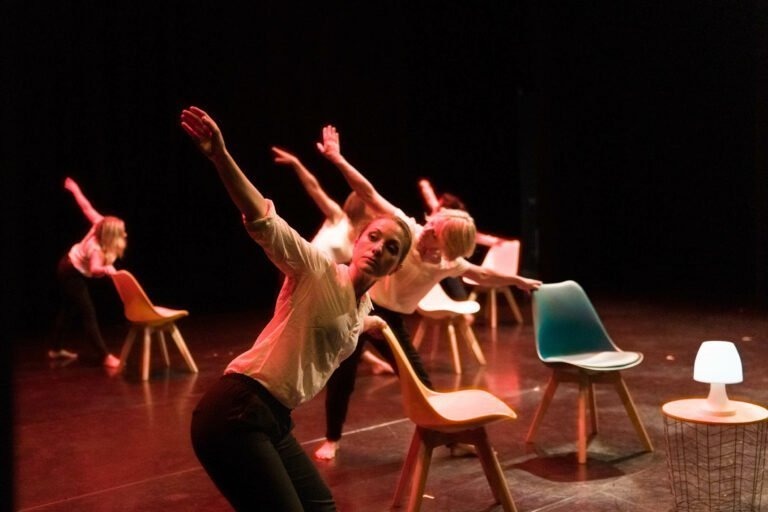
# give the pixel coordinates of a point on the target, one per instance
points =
(620, 143)
(623, 144)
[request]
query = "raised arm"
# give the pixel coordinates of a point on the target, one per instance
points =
(331, 149)
(328, 206)
(487, 240)
(487, 277)
(204, 131)
(85, 205)
(428, 193)
(433, 203)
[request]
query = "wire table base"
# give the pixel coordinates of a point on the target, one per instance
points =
(716, 466)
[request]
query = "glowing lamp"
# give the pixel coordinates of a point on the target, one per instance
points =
(718, 363)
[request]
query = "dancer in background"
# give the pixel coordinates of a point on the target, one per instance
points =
(453, 286)
(241, 428)
(339, 230)
(439, 250)
(93, 257)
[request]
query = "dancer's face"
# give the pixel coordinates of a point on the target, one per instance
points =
(379, 248)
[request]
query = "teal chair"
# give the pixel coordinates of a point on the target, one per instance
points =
(571, 340)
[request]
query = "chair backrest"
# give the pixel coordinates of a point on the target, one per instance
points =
(565, 322)
(414, 392)
(137, 306)
(504, 257)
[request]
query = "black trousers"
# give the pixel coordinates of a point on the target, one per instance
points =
(76, 306)
(242, 436)
(342, 383)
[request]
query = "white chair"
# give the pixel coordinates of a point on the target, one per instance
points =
(441, 313)
(503, 258)
(443, 418)
(151, 321)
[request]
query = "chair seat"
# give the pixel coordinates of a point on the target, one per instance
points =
(609, 360)
(459, 307)
(467, 408)
(170, 314)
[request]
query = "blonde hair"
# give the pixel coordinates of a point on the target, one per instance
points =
(358, 212)
(108, 230)
(455, 230)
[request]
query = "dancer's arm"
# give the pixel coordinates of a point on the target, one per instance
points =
(490, 278)
(487, 240)
(328, 206)
(428, 193)
(206, 134)
(98, 265)
(85, 205)
(331, 149)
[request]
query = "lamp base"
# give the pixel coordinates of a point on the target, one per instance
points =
(717, 403)
(719, 412)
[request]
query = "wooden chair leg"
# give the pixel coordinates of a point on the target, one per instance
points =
(182, 346)
(493, 472)
(543, 406)
(145, 353)
(581, 443)
(163, 347)
(513, 304)
(629, 405)
(593, 409)
(494, 311)
(406, 472)
(469, 336)
(454, 347)
(421, 470)
(127, 345)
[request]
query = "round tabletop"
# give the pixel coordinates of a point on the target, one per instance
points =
(693, 410)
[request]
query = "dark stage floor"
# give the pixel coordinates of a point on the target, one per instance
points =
(88, 441)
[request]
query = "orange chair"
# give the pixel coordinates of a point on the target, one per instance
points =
(439, 311)
(503, 258)
(150, 320)
(444, 418)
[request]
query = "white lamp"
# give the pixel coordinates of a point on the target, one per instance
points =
(718, 363)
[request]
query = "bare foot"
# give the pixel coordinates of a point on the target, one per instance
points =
(378, 365)
(382, 368)
(462, 450)
(111, 361)
(327, 450)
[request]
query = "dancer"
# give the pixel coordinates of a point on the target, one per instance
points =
(339, 230)
(453, 286)
(241, 429)
(93, 257)
(439, 250)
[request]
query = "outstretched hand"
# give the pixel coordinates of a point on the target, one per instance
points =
(71, 185)
(528, 285)
(203, 130)
(331, 145)
(374, 324)
(284, 157)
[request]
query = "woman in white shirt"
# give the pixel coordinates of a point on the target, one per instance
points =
(340, 228)
(439, 250)
(241, 429)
